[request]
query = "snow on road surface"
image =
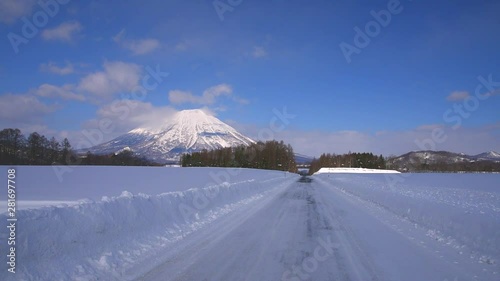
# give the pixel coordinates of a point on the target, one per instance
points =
(318, 231)
(337, 227)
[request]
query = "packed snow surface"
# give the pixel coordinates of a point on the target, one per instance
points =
(247, 224)
(355, 171)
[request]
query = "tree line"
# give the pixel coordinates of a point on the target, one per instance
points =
(270, 155)
(36, 149)
(123, 158)
(441, 167)
(354, 160)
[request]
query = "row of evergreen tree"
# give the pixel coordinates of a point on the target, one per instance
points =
(16, 149)
(124, 158)
(354, 160)
(271, 155)
(36, 149)
(442, 167)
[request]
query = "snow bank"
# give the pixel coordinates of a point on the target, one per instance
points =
(354, 171)
(67, 185)
(104, 239)
(461, 210)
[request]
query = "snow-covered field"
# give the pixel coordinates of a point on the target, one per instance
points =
(455, 217)
(42, 186)
(242, 224)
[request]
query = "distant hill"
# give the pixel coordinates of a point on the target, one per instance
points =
(446, 161)
(301, 159)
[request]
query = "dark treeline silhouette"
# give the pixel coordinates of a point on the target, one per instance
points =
(441, 167)
(354, 160)
(124, 158)
(271, 155)
(16, 149)
(36, 149)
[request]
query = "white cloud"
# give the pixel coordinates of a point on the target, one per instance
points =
(143, 46)
(64, 32)
(208, 97)
(259, 52)
(137, 47)
(429, 127)
(188, 44)
(53, 68)
(116, 77)
(179, 97)
(121, 116)
(131, 114)
(493, 93)
(117, 118)
(210, 94)
(314, 143)
(463, 95)
(65, 92)
(19, 110)
(458, 96)
(12, 10)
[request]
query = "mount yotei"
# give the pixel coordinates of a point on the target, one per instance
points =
(186, 131)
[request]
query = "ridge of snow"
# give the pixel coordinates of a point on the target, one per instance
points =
(354, 171)
(106, 239)
(126, 148)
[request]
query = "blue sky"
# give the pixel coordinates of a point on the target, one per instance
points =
(246, 60)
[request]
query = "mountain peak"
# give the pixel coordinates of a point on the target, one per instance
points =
(196, 114)
(188, 117)
(183, 132)
(193, 111)
(494, 153)
(193, 116)
(489, 155)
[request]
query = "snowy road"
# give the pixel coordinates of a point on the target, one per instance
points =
(315, 231)
(245, 224)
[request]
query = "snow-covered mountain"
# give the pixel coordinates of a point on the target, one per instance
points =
(186, 131)
(434, 157)
(303, 159)
(490, 156)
